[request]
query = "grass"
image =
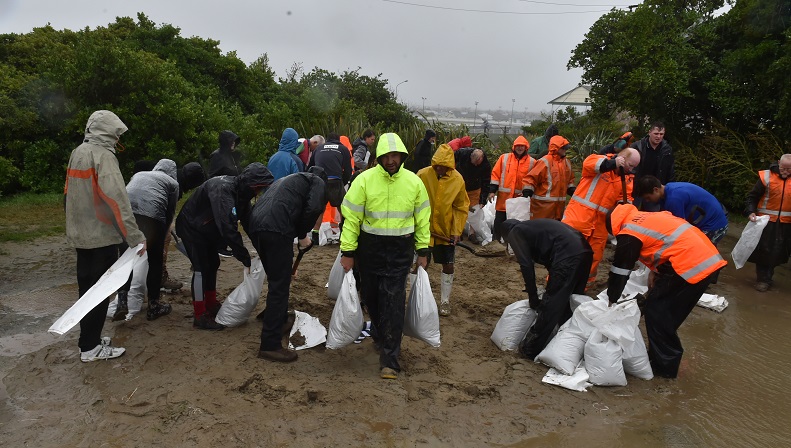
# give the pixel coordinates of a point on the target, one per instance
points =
(27, 216)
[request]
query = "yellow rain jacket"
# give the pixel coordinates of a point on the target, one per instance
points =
(447, 195)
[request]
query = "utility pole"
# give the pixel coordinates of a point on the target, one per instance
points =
(474, 116)
(424, 105)
(513, 101)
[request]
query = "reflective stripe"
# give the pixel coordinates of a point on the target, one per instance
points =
(548, 198)
(503, 169)
(667, 240)
(598, 165)
(504, 190)
(387, 232)
(620, 271)
(422, 206)
(705, 264)
(352, 206)
(767, 211)
(549, 176)
(590, 204)
(767, 175)
(389, 214)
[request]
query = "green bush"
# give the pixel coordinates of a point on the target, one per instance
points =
(9, 176)
(45, 167)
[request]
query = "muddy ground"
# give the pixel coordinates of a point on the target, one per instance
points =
(177, 386)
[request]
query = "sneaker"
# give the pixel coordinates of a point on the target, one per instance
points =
(171, 285)
(158, 310)
(761, 286)
(225, 252)
(388, 374)
(444, 309)
(206, 322)
(279, 355)
(102, 351)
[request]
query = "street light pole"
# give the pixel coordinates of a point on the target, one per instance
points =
(396, 89)
(474, 116)
(424, 105)
(513, 101)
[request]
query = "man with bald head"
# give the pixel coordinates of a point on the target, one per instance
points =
(599, 190)
(476, 171)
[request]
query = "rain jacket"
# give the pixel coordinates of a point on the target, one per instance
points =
(509, 172)
(771, 196)
(661, 241)
(286, 161)
(550, 180)
(290, 206)
(387, 217)
(699, 207)
(213, 212)
(421, 156)
(447, 196)
(539, 147)
(664, 170)
(361, 154)
(335, 159)
(98, 212)
(461, 142)
(155, 193)
(598, 192)
(475, 177)
(224, 161)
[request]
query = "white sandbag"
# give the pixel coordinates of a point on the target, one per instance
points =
(421, 320)
(617, 322)
(328, 234)
(713, 302)
(236, 308)
(576, 300)
(518, 208)
(477, 221)
(108, 283)
(347, 316)
(635, 358)
(637, 283)
(564, 351)
(577, 381)
(747, 243)
(512, 327)
(137, 291)
(336, 278)
(310, 328)
(604, 361)
(489, 211)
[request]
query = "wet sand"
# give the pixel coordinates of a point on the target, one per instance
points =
(177, 386)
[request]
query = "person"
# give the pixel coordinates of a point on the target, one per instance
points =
(286, 161)
(626, 139)
(656, 159)
(334, 160)
(771, 196)
(224, 161)
(98, 218)
(382, 231)
(308, 146)
(449, 206)
(507, 178)
(567, 257)
(361, 149)
(421, 156)
(461, 142)
(476, 171)
(286, 211)
(686, 201)
(153, 196)
(549, 181)
(683, 262)
(599, 190)
(209, 217)
(539, 147)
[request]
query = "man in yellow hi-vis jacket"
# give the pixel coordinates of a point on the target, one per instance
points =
(387, 213)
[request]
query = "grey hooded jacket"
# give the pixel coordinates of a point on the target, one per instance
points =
(155, 193)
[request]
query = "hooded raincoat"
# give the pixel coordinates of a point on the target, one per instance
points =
(225, 161)
(447, 196)
(550, 180)
(509, 172)
(155, 193)
(286, 161)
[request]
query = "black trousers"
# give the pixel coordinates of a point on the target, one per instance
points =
(667, 305)
(155, 232)
(91, 265)
(277, 255)
(499, 217)
(204, 259)
(385, 299)
(566, 278)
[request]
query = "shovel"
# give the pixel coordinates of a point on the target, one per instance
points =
(478, 252)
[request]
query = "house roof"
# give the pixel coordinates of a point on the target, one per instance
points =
(578, 96)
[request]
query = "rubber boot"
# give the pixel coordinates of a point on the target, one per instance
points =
(122, 308)
(445, 286)
(212, 305)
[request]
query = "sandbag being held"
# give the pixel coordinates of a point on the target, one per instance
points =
(242, 301)
(422, 318)
(347, 315)
(513, 325)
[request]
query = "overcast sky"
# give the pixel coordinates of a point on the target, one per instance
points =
(452, 52)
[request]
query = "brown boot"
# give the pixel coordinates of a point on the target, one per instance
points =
(279, 355)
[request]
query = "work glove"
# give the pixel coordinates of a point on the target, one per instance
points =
(534, 302)
(527, 192)
(570, 190)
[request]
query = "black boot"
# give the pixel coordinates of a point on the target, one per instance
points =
(121, 308)
(157, 309)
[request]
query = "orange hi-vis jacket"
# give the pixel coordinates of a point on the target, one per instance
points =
(508, 173)
(776, 201)
(668, 239)
(549, 180)
(596, 194)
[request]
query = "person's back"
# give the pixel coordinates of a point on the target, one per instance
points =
(225, 160)
(290, 206)
(154, 193)
(693, 203)
(334, 159)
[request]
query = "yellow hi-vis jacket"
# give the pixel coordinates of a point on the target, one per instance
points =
(381, 204)
(447, 195)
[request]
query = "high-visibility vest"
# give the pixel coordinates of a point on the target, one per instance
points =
(667, 238)
(596, 194)
(550, 179)
(507, 174)
(776, 201)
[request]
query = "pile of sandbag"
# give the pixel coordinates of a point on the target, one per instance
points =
(606, 338)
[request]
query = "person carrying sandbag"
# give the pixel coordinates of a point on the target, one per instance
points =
(566, 255)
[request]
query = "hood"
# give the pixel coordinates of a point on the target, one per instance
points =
(556, 143)
(551, 131)
(390, 142)
(618, 217)
(346, 142)
(289, 141)
(226, 138)
(444, 157)
(104, 128)
(190, 176)
(461, 142)
(358, 141)
(429, 133)
(168, 167)
(520, 140)
(256, 175)
(506, 226)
